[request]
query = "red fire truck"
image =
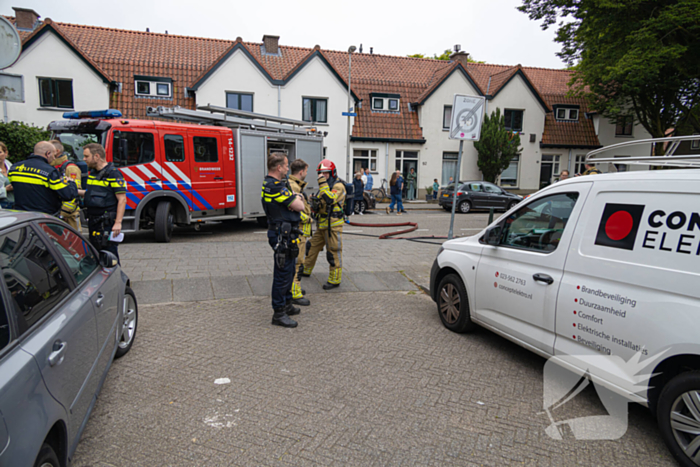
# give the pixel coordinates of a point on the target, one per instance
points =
(208, 169)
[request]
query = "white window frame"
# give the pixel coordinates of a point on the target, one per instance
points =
(567, 114)
(385, 104)
(580, 164)
(370, 157)
(153, 89)
(375, 100)
(516, 159)
(449, 120)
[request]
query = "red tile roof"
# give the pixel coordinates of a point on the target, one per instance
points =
(580, 134)
(121, 54)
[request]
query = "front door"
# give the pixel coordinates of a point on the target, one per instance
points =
(208, 186)
(545, 174)
(518, 279)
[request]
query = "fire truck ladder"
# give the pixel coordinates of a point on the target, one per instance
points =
(232, 118)
(668, 159)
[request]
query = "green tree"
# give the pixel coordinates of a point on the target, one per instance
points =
(443, 56)
(631, 56)
(496, 147)
(20, 139)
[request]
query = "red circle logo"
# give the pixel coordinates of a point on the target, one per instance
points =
(496, 274)
(619, 225)
(495, 284)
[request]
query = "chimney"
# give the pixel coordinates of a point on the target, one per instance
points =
(271, 44)
(25, 19)
(371, 50)
(360, 48)
(460, 57)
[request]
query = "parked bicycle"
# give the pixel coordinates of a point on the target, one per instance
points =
(381, 194)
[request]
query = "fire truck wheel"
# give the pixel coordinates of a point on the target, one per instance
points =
(164, 222)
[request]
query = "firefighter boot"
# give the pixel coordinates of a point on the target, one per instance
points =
(280, 318)
(303, 301)
(291, 310)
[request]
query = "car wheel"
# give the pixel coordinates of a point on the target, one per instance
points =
(129, 323)
(164, 222)
(465, 207)
(453, 305)
(678, 415)
(511, 205)
(47, 457)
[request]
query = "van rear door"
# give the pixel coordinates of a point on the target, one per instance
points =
(207, 174)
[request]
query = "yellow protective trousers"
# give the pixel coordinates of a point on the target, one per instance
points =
(332, 239)
(71, 218)
(303, 250)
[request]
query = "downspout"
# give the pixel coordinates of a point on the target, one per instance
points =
(486, 112)
(279, 100)
(386, 164)
(568, 166)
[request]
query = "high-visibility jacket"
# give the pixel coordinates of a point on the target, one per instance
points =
(332, 202)
(298, 186)
(102, 189)
(39, 187)
(276, 199)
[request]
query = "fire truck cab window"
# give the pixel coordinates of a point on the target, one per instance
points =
(174, 148)
(205, 149)
(131, 148)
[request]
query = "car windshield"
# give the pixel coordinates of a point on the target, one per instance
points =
(73, 143)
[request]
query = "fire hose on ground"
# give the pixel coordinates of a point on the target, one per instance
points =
(391, 235)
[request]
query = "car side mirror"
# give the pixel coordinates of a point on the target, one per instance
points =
(493, 235)
(108, 259)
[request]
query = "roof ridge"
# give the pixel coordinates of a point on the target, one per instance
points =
(143, 33)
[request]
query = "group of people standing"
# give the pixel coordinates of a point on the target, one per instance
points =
(48, 182)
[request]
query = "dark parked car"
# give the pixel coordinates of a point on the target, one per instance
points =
(477, 195)
(368, 202)
(66, 311)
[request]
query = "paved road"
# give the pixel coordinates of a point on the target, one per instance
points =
(366, 379)
(370, 377)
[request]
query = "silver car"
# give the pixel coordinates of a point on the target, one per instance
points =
(66, 311)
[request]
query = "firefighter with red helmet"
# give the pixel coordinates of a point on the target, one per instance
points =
(330, 217)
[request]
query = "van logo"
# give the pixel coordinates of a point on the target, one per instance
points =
(619, 225)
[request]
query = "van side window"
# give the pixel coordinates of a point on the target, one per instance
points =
(174, 148)
(131, 148)
(4, 326)
(32, 275)
(540, 225)
(205, 149)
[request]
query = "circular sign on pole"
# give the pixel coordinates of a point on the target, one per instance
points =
(10, 43)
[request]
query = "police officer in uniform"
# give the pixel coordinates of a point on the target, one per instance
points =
(105, 198)
(282, 208)
(70, 211)
(39, 187)
(330, 220)
(299, 169)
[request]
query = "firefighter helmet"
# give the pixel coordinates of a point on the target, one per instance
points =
(327, 166)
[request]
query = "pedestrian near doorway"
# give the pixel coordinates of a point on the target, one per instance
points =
(396, 186)
(105, 199)
(359, 189)
(297, 183)
(411, 179)
(329, 228)
(282, 208)
(436, 188)
(370, 180)
(70, 210)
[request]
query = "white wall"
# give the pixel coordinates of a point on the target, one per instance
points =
(437, 139)
(49, 57)
(516, 95)
(607, 137)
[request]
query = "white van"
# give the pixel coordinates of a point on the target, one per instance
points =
(596, 265)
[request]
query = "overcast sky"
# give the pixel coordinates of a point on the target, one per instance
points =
(490, 30)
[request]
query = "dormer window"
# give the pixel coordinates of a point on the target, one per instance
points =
(385, 102)
(153, 86)
(565, 114)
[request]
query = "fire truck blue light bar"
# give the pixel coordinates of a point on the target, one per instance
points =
(109, 113)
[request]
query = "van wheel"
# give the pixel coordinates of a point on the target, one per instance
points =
(164, 222)
(453, 304)
(129, 323)
(47, 457)
(678, 415)
(465, 207)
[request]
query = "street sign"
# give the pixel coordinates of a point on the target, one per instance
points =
(11, 87)
(349, 114)
(467, 117)
(10, 44)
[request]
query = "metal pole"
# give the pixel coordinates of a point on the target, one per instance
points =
(4, 111)
(454, 192)
(347, 173)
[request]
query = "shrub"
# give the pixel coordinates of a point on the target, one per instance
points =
(20, 139)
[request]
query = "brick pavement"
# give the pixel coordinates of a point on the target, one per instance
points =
(366, 379)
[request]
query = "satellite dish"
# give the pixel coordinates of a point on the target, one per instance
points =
(10, 43)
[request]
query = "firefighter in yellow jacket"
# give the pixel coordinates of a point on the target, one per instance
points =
(330, 219)
(70, 211)
(299, 169)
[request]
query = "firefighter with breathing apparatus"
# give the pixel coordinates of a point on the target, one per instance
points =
(299, 169)
(328, 207)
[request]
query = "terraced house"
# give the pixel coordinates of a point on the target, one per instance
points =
(403, 104)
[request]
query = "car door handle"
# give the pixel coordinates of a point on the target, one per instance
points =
(154, 179)
(100, 299)
(56, 356)
(543, 278)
